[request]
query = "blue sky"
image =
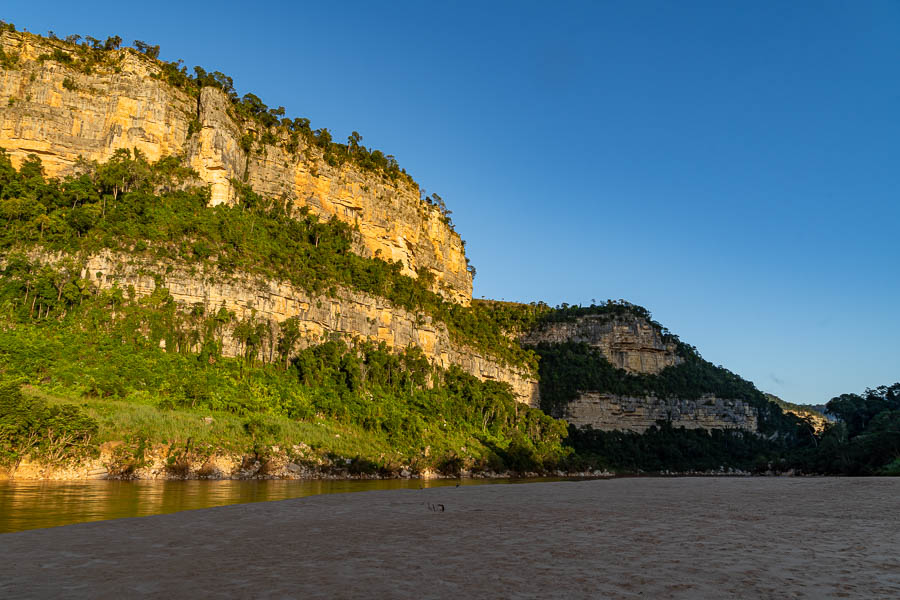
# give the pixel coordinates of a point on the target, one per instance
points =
(733, 167)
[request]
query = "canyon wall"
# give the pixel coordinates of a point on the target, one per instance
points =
(61, 114)
(348, 314)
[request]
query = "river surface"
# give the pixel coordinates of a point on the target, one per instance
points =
(36, 504)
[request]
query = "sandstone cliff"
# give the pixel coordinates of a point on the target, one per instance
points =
(60, 113)
(348, 314)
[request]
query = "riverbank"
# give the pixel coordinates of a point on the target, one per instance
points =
(134, 438)
(621, 538)
(166, 462)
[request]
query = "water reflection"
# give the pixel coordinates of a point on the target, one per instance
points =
(34, 504)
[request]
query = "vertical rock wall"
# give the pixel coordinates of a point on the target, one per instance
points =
(60, 113)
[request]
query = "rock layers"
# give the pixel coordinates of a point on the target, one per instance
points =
(638, 346)
(349, 314)
(62, 114)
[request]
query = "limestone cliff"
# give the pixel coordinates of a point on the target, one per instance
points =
(632, 344)
(609, 412)
(60, 113)
(639, 347)
(348, 314)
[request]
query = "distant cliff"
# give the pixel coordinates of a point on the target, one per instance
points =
(815, 415)
(62, 108)
(630, 343)
(616, 369)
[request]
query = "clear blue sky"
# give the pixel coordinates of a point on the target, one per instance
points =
(733, 167)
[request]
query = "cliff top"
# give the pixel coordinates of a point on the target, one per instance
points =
(88, 55)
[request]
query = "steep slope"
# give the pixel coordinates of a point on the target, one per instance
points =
(343, 313)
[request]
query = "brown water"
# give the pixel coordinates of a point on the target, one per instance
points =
(36, 504)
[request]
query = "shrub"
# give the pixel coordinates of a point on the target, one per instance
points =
(29, 426)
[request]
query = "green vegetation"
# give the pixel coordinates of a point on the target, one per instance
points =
(80, 366)
(667, 448)
(864, 441)
(396, 409)
(69, 339)
(566, 369)
(156, 210)
(29, 426)
(803, 411)
(611, 309)
(85, 57)
(8, 60)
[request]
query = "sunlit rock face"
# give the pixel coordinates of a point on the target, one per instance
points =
(60, 114)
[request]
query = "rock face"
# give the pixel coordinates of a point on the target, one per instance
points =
(637, 346)
(816, 418)
(610, 412)
(60, 114)
(348, 314)
(632, 344)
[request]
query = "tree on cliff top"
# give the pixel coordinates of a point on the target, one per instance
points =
(145, 48)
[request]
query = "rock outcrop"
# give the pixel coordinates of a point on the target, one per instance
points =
(62, 114)
(348, 314)
(610, 412)
(632, 344)
(638, 346)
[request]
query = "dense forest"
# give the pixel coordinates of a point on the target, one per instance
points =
(64, 336)
(382, 410)
(88, 369)
(865, 440)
